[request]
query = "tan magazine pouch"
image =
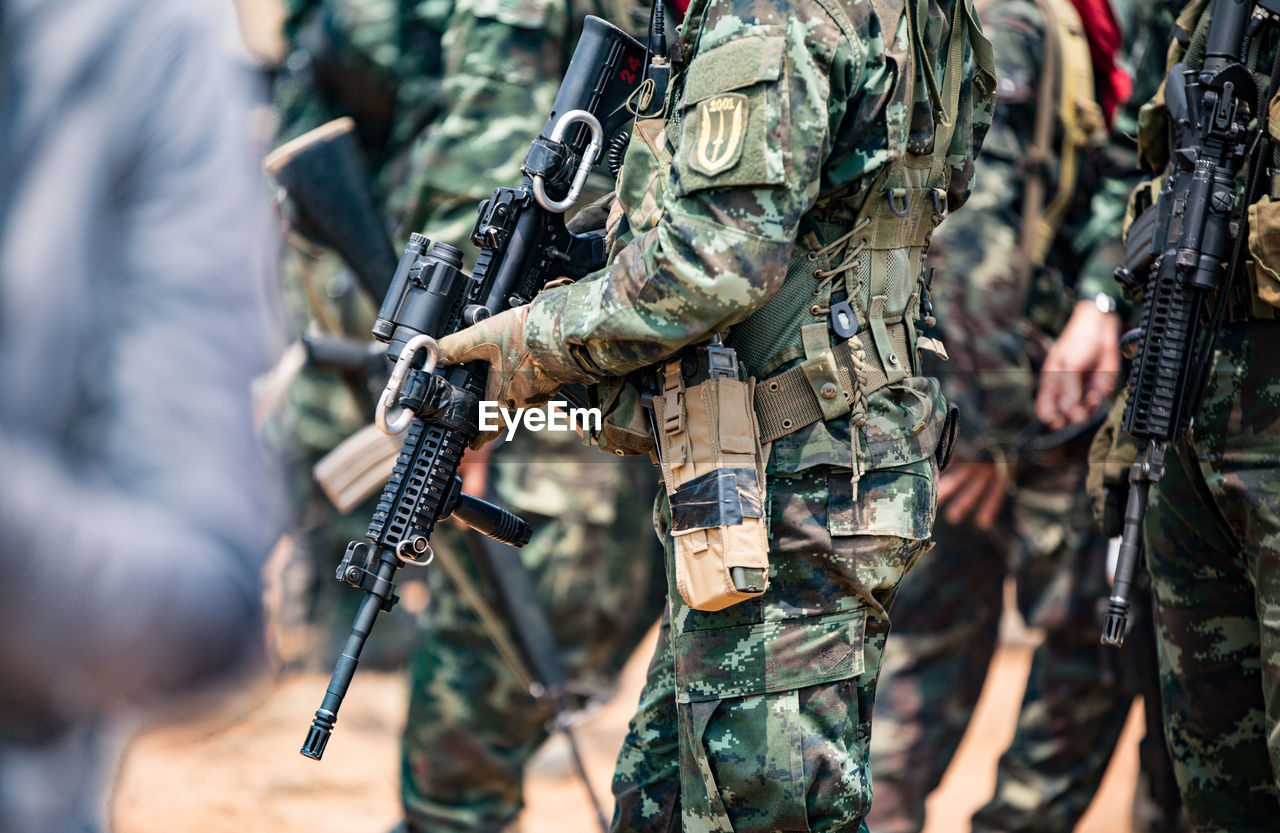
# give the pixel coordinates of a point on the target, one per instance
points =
(713, 469)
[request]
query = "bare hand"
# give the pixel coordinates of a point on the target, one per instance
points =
(1081, 369)
(973, 491)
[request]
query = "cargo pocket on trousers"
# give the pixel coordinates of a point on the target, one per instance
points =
(761, 786)
(742, 737)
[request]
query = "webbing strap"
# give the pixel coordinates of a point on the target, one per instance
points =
(785, 403)
(915, 13)
(965, 28)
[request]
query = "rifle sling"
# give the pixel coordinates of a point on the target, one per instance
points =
(525, 619)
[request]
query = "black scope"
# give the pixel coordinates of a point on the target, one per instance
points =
(426, 293)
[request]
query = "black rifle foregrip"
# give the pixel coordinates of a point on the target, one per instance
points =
(415, 494)
(493, 521)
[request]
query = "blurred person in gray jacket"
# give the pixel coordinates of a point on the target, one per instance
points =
(134, 503)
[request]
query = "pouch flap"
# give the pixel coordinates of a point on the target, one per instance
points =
(737, 64)
(769, 657)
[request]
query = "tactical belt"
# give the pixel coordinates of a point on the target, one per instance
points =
(787, 402)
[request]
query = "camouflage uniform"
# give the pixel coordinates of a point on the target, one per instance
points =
(1213, 548)
(472, 727)
(757, 717)
(997, 321)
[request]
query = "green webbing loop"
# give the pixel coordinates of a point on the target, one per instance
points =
(983, 55)
(916, 33)
(1194, 57)
(964, 28)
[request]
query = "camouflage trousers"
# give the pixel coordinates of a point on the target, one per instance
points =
(758, 717)
(596, 564)
(1213, 549)
(1078, 695)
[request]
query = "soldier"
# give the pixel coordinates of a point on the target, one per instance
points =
(789, 173)
(1210, 528)
(483, 92)
(1014, 501)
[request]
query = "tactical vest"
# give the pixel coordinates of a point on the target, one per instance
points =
(852, 293)
(853, 290)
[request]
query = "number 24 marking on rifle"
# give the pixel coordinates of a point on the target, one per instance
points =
(629, 75)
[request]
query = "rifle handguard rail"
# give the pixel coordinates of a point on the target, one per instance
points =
(387, 402)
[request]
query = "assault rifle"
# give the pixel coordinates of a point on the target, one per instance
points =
(1177, 256)
(523, 244)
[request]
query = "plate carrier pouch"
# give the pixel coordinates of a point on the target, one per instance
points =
(713, 470)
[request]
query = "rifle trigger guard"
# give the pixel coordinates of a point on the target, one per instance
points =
(394, 424)
(589, 157)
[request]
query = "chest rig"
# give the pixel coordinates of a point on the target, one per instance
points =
(855, 285)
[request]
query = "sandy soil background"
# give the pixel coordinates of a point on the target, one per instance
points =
(248, 775)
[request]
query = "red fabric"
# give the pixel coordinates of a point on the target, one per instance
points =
(1105, 38)
(681, 7)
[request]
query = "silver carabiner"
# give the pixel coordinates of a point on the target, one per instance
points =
(392, 425)
(589, 157)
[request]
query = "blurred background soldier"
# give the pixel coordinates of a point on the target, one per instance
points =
(1013, 500)
(1212, 540)
(135, 507)
(475, 103)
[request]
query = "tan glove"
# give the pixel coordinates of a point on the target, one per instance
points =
(515, 379)
(1111, 454)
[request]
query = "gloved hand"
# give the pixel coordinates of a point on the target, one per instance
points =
(1111, 454)
(515, 379)
(592, 217)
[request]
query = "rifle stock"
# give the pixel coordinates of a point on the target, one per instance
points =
(322, 174)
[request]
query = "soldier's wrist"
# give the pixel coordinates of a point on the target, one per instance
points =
(545, 340)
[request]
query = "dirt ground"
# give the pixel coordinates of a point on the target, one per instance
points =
(248, 775)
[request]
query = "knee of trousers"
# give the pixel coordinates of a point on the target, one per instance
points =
(774, 728)
(788, 760)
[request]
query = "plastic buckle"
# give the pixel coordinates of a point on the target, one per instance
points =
(939, 203)
(844, 321)
(722, 362)
(893, 195)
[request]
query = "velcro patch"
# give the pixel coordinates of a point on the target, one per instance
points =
(721, 132)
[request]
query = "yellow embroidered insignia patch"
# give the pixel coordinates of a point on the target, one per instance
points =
(722, 129)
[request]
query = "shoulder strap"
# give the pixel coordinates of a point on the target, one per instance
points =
(1066, 91)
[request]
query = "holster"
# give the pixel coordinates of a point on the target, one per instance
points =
(713, 469)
